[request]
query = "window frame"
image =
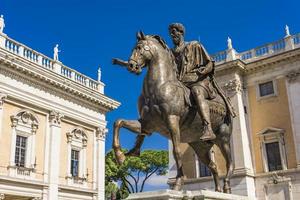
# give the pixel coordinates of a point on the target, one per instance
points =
(20, 147)
(77, 141)
(271, 135)
(24, 124)
(275, 91)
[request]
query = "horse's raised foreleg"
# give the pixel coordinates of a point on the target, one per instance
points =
(131, 125)
(173, 126)
(225, 149)
(202, 153)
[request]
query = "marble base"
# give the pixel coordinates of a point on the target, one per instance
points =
(184, 195)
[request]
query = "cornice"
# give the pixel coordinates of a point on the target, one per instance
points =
(231, 66)
(263, 63)
(31, 73)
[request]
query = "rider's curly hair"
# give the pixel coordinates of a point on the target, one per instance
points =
(177, 26)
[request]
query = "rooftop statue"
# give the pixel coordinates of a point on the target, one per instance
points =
(55, 52)
(180, 100)
(2, 24)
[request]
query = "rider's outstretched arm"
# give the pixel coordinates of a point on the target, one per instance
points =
(117, 61)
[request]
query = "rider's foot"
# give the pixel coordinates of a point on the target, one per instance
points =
(208, 134)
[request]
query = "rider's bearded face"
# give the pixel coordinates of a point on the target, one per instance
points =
(177, 36)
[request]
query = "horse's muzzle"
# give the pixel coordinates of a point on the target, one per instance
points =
(134, 67)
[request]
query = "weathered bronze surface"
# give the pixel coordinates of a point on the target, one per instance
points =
(180, 100)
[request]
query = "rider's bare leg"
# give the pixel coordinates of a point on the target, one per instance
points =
(200, 96)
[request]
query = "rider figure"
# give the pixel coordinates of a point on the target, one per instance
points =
(194, 67)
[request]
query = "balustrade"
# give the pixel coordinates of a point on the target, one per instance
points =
(46, 62)
(219, 57)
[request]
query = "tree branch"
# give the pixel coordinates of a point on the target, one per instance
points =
(132, 190)
(146, 177)
(135, 181)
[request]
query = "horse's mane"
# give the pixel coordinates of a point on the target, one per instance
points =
(163, 43)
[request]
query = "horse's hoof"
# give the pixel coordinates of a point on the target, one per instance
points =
(227, 190)
(218, 189)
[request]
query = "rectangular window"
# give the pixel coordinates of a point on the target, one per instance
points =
(204, 170)
(273, 156)
(266, 88)
(20, 151)
(74, 162)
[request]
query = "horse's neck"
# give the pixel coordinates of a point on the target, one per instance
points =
(161, 68)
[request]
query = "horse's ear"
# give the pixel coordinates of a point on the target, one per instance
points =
(140, 35)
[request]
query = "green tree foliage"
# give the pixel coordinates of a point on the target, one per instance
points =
(135, 171)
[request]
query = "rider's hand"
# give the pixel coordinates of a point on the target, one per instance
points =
(202, 70)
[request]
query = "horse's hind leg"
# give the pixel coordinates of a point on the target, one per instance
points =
(131, 125)
(203, 155)
(225, 149)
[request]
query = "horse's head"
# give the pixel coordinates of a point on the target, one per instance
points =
(146, 49)
(141, 54)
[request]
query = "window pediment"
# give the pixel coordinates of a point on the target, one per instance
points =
(271, 133)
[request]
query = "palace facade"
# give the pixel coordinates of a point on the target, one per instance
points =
(52, 128)
(264, 86)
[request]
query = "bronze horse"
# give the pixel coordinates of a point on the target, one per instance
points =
(164, 108)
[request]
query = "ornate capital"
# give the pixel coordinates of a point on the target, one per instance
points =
(55, 117)
(14, 120)
(2, 196)
(101, 133)
(292, 76)
(2, 98)
(233, 86)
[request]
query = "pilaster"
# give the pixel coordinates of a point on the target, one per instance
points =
(101, 134)
(54, 154)
(2, 98)
(240, 145)
(293, 88)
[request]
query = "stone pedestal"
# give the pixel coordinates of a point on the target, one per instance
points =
(184, 195)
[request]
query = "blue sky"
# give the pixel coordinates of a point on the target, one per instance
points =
(91, 32)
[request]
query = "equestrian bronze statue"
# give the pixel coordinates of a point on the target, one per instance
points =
(180, 100)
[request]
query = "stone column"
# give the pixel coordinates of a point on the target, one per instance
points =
(240, 145)
(55, 135)
(2, 98)
(293, 88)
(101, 133)
(14, 122)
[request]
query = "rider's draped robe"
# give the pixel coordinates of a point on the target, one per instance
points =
(189, 58)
